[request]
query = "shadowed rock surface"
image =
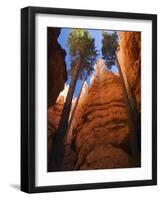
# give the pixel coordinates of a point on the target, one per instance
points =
(57, 74)
(54, 114)
(130, 61)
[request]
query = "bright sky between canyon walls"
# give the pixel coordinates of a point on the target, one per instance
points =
(63, 41)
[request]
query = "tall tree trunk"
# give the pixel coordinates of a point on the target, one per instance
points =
(58, 141)
(131, 121)
(75, 107)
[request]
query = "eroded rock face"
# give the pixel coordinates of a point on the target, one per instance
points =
(54, 114)
(130, 61)
(101, 134)
(57, 74)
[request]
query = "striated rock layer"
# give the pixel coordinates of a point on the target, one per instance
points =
(101, 137)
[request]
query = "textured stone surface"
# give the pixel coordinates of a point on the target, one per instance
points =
(57, 74)
(106, 156)
(54, 114)
(130, 61)
(101, 134)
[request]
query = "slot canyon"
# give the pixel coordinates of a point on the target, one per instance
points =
(99, 136)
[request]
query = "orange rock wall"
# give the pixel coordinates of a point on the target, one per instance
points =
(130, 61)
(54, 113)
(101, 134)
(57, 76)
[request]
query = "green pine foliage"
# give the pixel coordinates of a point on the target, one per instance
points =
(82, 46)
(110, 46)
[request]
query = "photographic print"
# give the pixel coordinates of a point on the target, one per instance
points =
(94, 99)
(88, 99)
